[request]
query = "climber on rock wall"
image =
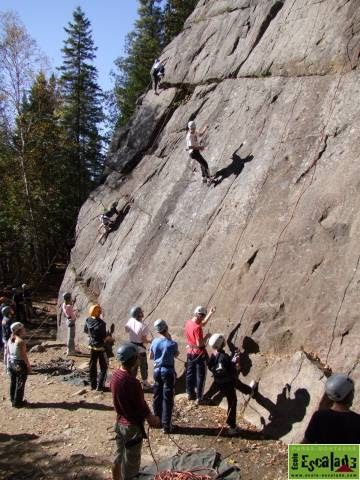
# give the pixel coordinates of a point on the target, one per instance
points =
(196, 353)
(194, 147)
(157, 74)
(106, 221)
(337, 424)
(139, 335)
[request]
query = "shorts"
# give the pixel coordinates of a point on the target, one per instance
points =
(129, 439)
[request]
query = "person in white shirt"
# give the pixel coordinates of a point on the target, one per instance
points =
(194, 146)
(139, 336)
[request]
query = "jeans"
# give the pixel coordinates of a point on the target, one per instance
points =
(95, 356)
(129, 439)
(196, 155)
(195, 375)
(164, 394)
(143, 366)
(228, 391)
(71, 336)
(18, 376)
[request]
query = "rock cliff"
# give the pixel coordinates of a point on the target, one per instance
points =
(274, 243)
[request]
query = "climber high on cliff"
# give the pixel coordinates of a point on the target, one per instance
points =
(106, 222)
(157, 73)
(194, 147)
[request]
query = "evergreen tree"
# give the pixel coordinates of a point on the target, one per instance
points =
(81, 111)
(175, 14)
(143, 45)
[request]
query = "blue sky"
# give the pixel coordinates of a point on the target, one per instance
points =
(111, 20)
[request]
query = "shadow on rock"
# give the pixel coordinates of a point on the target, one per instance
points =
(285, 412)
(234, 168)
(24, 457)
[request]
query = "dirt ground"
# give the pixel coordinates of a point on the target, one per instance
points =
(67, 430)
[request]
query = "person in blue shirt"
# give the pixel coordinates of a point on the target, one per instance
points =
(163, 351)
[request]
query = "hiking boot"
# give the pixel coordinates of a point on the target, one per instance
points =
(200, 401)
(204, 180)
(103, 389)
(191, 397)
(22, 404)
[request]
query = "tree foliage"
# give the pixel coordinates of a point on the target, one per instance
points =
(158, 23)
(81, 111)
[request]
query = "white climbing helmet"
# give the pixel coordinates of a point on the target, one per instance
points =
(338, 387)
(160, 325)
(191, 124)
(217, 341)
(200, 310)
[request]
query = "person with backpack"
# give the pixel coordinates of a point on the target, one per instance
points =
(196, 353)
(194, 147)
(131, 413)
(163, 351)
(70, 314)
(337, 424)
(139, 335)
(223, 369)
(95, 327)
(19, 365)
(6, 322)
(157, 74)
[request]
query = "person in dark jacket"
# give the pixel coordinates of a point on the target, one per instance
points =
(337, 424)
(224, 372)
(95, 327)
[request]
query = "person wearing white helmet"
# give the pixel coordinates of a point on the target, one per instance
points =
(19, 365)
(194, 147)
(338, 424)
(163, 351)
(224, 373)
(196, 353)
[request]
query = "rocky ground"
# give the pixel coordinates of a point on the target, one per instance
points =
(66, 433)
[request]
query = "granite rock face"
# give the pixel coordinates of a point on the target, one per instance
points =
(274, 243)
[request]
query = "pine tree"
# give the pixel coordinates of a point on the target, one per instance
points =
(81, 112)
(143, 45)
(175, 14)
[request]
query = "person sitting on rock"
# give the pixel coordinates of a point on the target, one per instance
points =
(163, 351)
(70, 314)
(224, 372)
(157, 73)
(337, 424)
(194, 147)
(19, 365)
(131, 413)
(106, 221)
(95, 327)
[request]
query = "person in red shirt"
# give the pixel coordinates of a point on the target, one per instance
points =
(132, 411)
(196, 353)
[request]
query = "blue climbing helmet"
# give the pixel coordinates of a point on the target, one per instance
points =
(126, 352)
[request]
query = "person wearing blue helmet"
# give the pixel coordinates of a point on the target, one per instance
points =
(163, 351)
